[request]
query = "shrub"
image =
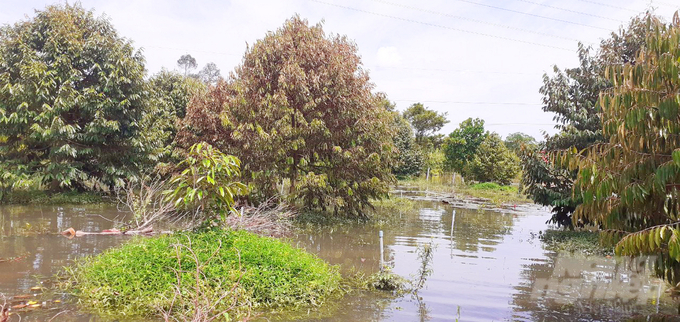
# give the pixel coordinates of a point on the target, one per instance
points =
(206, 184)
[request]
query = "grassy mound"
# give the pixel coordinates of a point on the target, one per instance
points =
(220, 270)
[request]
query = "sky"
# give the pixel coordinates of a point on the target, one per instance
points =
(467, 58)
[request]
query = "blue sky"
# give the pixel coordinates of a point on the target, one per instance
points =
(469, 58)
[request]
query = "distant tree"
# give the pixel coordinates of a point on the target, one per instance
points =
(210, 74)
(493, 162)
(409, 156)
(461, 145)
(424, 121)
(300, 108)
(435, 161)
(171, 93)
(409, 159)
(187, 62)
(517, 140)
(72, 94)
(176, 89)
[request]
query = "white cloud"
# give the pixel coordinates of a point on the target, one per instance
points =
(388, 57)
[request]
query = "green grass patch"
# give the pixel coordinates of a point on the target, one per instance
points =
(493, 192)
(236, 270)
(582, 242)
(40, 197)
(492, 186)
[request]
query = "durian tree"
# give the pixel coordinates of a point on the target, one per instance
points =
(630, 183)
(72, 94)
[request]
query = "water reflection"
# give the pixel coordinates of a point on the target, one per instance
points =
(486, 266)
(32, 250)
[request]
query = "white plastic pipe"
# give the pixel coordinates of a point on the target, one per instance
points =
(382, 252)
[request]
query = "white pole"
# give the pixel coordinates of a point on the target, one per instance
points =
(428, 175)
(658, 296)
(382, 255)
(453, 219)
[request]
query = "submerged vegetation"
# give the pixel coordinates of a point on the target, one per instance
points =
(582, 242)
(156, 275)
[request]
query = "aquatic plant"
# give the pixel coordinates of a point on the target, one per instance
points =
(425, 255)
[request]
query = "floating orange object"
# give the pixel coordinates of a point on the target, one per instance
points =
(70, 233)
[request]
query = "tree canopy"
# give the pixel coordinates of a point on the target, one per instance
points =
(461, 145)
(572, 95)
(186, 63)
(515, 142)
(409, 160)
(300, 108)
(631, 181)
(493, 162)
(425, 122)
(71, 94)
(210, 74)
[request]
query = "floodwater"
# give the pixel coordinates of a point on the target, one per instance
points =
(486, 266)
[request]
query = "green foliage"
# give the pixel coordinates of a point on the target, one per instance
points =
(409, 160)
(206, 181)
(435, 160)
(518, 140)
(492, 186)
(461, 145)
(71, 94)
(176, 90)
(299, 110)
(549, 185)
(385, 280)
(41, 197)
(424, 121)
(572, 95)
(493, 162)
(630, 182)
(139, 278)
(171, 94)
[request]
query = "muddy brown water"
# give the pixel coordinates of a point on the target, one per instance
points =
(487, 266)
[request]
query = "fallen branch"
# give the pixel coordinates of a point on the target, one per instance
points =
(70, 233)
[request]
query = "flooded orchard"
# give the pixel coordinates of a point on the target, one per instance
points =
(487, 265)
